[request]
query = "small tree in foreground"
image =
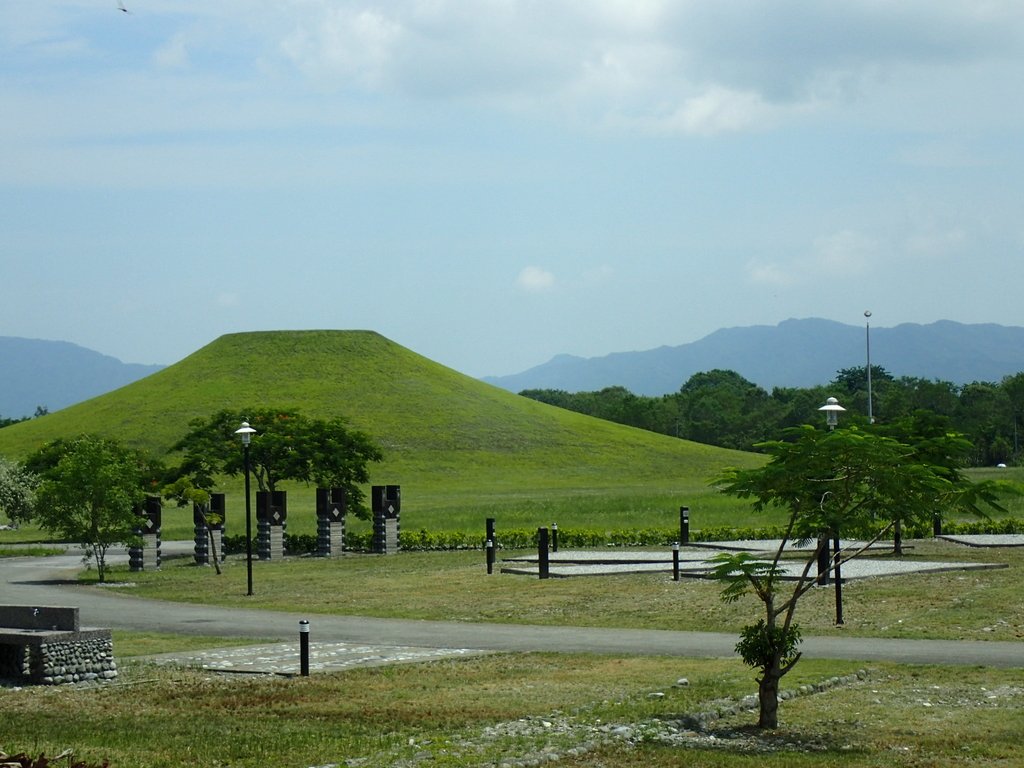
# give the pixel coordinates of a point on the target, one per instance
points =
(846, 481)
(17, 491)
(89, 495)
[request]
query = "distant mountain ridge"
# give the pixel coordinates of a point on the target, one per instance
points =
(56, 374)
(794, 353)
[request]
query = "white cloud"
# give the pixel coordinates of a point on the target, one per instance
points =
(173, 54)
(718, 110)
(938, 243)
(844, 253)
(696, 68)
(769, 274)
(535, 280)
(356, 46)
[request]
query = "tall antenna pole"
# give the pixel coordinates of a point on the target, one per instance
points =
(867, 331)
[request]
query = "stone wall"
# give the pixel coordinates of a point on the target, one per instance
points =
(54, 658)
(44, 653)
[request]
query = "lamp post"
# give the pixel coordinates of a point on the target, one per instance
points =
(832, 409)
(867, 340)
(246, 432)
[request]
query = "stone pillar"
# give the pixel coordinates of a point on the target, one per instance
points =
(271, 524)
(331, 506)
(386, 506)
(148, 555)
(201, 542)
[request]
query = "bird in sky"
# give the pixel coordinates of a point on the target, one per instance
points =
(120, 7)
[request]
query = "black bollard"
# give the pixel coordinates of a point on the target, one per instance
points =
(490, 532)
(542, 553)
(304, 648)
(937, 525)
(490, 557)
(675, 561)
(684, 525)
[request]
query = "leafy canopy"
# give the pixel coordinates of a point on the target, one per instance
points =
(854, 480)
(90, 492)
(17, 491)
(287, 446)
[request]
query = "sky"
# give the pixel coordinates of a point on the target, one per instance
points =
(495, 182)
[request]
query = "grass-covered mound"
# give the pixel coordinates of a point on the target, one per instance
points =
(456, 445)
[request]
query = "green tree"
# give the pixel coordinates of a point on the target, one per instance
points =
(339, 457)
(90, 494)
(847, 479)
(17, 491)
(722, 408)
(986, 414)
(286, 446)
(1013, 386)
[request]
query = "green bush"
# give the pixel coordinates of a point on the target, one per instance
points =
(423, 540)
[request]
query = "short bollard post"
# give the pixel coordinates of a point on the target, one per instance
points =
(675, 561)
(937, 524)
(304, 648)
(554, 537)
(542, 552)
(684, 525)
(489, 536)
(490, 557)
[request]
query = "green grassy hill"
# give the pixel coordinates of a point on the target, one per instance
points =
(459, 448)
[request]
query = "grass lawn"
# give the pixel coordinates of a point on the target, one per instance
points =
(591, 711)
(454, 586)
(588, 710)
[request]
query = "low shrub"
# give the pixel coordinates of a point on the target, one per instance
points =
(423, 540)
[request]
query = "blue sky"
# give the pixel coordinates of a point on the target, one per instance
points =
(492, 183)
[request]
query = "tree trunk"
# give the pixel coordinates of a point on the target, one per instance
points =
(213, 546)
(768, 698)
(101, 564)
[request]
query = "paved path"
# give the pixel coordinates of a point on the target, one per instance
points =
(44, 581)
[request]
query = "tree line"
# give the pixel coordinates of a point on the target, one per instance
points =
(721, 407)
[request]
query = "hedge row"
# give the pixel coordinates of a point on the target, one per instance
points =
(579, 538)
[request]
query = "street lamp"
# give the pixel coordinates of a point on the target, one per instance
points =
(867, 339)
(246, 432)
(832, 409)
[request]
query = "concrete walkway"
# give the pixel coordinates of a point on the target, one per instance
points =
(48, 581)
(695, 560)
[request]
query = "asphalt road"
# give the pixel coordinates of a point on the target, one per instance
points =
(47, 581)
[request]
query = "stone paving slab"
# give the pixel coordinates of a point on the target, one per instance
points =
(693, 563)
(284, 658)
(987, 540)
(772, 545)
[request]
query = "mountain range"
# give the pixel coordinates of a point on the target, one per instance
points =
(794, 353)
(55, 374)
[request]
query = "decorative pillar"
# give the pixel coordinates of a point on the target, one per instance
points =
(148, 555)
(387, 507)
(331, 506)
(271, 524)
